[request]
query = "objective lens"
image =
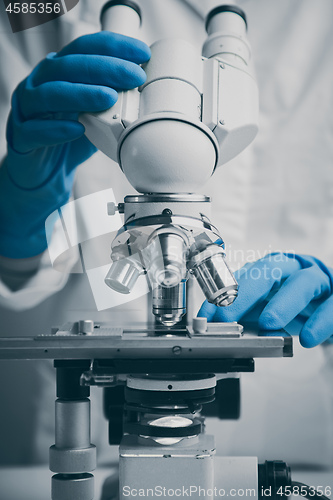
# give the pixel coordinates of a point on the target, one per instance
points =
(123, 275)
(167, 265)
(169, 304)
(214, 276)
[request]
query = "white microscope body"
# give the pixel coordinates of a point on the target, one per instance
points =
(194, 113)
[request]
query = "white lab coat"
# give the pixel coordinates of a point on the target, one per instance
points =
(277, 195)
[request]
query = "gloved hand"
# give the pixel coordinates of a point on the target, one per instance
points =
(45, 140)
(298, 281)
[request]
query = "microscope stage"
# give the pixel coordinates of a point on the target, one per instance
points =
(222, 346)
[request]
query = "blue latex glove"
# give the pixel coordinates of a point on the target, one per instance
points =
(45, 140)
(299, 282)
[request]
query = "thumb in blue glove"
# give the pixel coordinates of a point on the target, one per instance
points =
(45, 140)
(297, 280)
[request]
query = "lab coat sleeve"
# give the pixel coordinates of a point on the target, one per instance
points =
(25, 283)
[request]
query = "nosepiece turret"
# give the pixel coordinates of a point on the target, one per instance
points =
(168, 239)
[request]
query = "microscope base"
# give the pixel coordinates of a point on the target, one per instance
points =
(192, 471)
(156, 469)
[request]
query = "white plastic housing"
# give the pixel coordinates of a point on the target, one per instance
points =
(121, 19)
(230, 107)
(191, 115)
(167, 156)
(227, 22)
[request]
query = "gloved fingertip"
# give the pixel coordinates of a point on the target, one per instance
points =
(141, 53)
(207, 310)
(72, 129)
(130, 76)
(269, 320)
(108, 98)
(307, 340)
(309, 337)
(225, 314)
(145, 53)
(139, 76)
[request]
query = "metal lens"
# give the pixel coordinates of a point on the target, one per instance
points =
(214, 276)
(169, 304)
(167, 259)
(123, 275)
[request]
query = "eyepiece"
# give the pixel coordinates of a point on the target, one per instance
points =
(225, 8)
(226, 27)
(125, 3)
(121, 16)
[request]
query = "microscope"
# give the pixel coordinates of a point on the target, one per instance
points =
(194, 113)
